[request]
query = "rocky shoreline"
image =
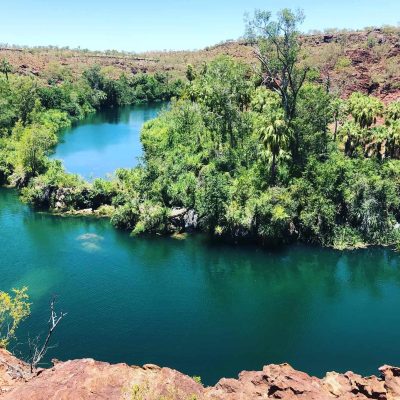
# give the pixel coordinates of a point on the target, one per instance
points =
(89, 379)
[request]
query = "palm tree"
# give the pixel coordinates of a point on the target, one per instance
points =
(393, 112)
(350, 134)
(275, 135)
(379, 143)
(338, 109)
(5, 67)
(392, 123)
(394, 138)
(364, 109)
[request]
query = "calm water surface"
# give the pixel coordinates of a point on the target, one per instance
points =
(105, 141)
(204, 308)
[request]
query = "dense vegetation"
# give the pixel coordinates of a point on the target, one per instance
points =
(272, 155)
(33, 111)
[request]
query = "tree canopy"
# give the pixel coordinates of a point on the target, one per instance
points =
(267, 154)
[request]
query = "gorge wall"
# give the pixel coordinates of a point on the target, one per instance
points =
(365, 61)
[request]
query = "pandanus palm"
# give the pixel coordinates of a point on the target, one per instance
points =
(5, 67)
(392, 123)
(350, 136)
(275, 135)
(393, 112)
(394, 138)
(364, 109)
(379, 142)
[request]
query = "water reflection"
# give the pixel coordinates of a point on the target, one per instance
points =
(105, 141)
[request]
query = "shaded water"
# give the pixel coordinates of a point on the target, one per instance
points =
(103, 142)
(204, 308)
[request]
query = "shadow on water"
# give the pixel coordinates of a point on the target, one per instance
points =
(122, 114)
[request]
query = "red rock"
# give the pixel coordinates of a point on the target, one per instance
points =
(88, 379)
(391, 377)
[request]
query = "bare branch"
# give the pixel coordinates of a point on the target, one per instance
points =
(37, 352)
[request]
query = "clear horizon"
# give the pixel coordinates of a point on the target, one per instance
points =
(177, 25)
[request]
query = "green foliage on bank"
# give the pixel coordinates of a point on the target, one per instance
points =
(267, 155)
(226, 174)
(33, 110)
(14, 308)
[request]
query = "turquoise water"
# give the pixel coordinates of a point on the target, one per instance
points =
(205, 308)
(103, 142)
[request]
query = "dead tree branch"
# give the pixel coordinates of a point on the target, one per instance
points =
(37, 351)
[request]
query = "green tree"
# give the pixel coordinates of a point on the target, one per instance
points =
(365, 109)
(314, 113)
(94, 77)
(212, 197)
(350, 134)
(14, 308)
(190, 73)
(33, 147)
(393, 139)
(358, 134)
(393, 112)
(5, 67)
(8, 109)
(224, 90)
(277, 47)
(275, 135)
(392, 122)
(338, 110)
(25, 91)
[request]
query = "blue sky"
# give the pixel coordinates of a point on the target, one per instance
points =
(167, 24)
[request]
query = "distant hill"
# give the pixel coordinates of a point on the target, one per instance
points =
(366, 61)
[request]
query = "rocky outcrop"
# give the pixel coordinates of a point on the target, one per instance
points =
(183, 219)
(88, 379)
(373, 57)
(13, 372)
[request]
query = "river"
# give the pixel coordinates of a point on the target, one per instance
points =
(103, 142)
(204, 308)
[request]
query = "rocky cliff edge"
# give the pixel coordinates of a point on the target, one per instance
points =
(89, 379)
